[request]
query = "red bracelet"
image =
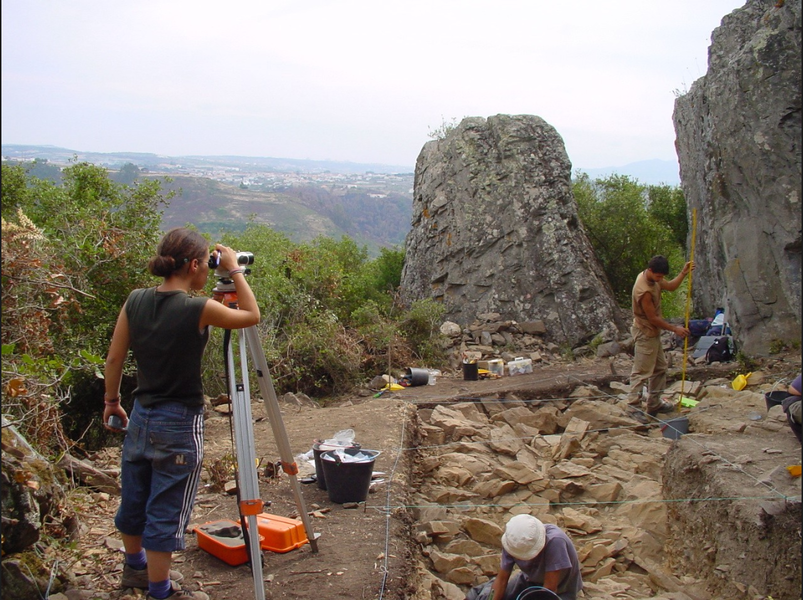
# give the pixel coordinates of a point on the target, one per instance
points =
(112, 401)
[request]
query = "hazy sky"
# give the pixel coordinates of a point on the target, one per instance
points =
(352, 80)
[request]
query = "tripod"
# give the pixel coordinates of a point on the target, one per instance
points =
(250, 504)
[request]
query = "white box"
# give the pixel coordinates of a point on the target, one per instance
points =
(495, 366)
(520, 366)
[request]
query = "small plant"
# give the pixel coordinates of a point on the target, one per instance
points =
(777, 346)
(746, 364)
(567, 352)
(445, 129)
(221, 472)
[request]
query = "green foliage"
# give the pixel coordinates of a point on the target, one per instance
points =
(72, 252)
(387, 270)
(420, 325)
(40, 168)
(127, 174)
(319, 356)
(778, 345)
(746, 363)
(667, 205)
(326, 310)
(628, 223)
(444, 129)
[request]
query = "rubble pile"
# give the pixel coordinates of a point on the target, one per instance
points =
(490, 336)
(578, 462)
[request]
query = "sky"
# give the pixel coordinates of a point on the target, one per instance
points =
(365, 81)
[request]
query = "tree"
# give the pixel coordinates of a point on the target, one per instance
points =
(127, 174)
(625, 234)
(667, 205)
(71, 254)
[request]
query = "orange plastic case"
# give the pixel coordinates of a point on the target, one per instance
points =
(280, 534)
(224, 538)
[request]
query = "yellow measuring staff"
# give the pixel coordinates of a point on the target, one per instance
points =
(688, 306)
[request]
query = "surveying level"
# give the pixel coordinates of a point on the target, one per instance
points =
(249, 503)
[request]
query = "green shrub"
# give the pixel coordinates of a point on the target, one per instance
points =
(421, 326)
(628, 223)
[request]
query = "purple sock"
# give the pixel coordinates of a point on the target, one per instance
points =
(160, 589)
(137, 561)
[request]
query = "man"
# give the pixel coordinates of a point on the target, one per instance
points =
(649, 362)
(545, 556)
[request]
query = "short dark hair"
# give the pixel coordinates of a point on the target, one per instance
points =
(659, 264)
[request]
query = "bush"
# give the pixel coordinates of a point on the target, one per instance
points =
(421, 325)
(629, 223)
(71, 254)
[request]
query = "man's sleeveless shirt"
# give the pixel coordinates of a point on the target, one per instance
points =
(641, 287)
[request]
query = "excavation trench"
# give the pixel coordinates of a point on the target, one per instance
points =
(712, 514)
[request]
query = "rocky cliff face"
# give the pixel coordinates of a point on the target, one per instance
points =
(738, 140)
(495, 230)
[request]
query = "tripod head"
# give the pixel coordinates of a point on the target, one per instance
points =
(225, 292)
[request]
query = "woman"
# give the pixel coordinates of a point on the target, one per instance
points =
(167, 330)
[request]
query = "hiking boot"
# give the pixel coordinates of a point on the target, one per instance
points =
(664, 407)
(638, 415)
(179, 594)
(138, 578)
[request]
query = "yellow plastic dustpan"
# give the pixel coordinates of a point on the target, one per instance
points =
(740, 382)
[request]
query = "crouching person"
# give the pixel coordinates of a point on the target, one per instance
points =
(545, 556)
(791, 406)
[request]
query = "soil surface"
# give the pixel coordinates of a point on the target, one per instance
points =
(362, 552)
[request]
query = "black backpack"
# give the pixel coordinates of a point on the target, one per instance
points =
(720, 350)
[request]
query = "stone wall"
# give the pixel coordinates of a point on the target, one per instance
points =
(738, 141)
(495, 230)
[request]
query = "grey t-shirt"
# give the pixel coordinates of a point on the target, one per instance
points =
(558, 554)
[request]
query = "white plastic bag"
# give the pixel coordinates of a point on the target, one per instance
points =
(344, 437)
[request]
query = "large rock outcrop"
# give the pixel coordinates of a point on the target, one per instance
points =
(495, 230)
(738, 140)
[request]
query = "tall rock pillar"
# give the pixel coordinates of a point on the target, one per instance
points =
(738, 141)
(495, 229)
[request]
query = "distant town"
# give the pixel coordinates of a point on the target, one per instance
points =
(275, 174)
(266, 174)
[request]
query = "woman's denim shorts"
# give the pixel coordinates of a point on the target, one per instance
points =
(161, 467)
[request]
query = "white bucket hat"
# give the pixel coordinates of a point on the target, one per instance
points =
(524, 537)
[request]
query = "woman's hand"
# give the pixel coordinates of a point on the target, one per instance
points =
(227, 257)
(116, 410)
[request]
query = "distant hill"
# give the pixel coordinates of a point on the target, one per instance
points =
(302, 213)
(157, 161)
(301, 198)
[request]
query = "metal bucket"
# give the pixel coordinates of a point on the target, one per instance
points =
(775, 398)
(348, 481)
(675, 428)
(418, 376)
(537, 593)
(318, 448)
(470, 371)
